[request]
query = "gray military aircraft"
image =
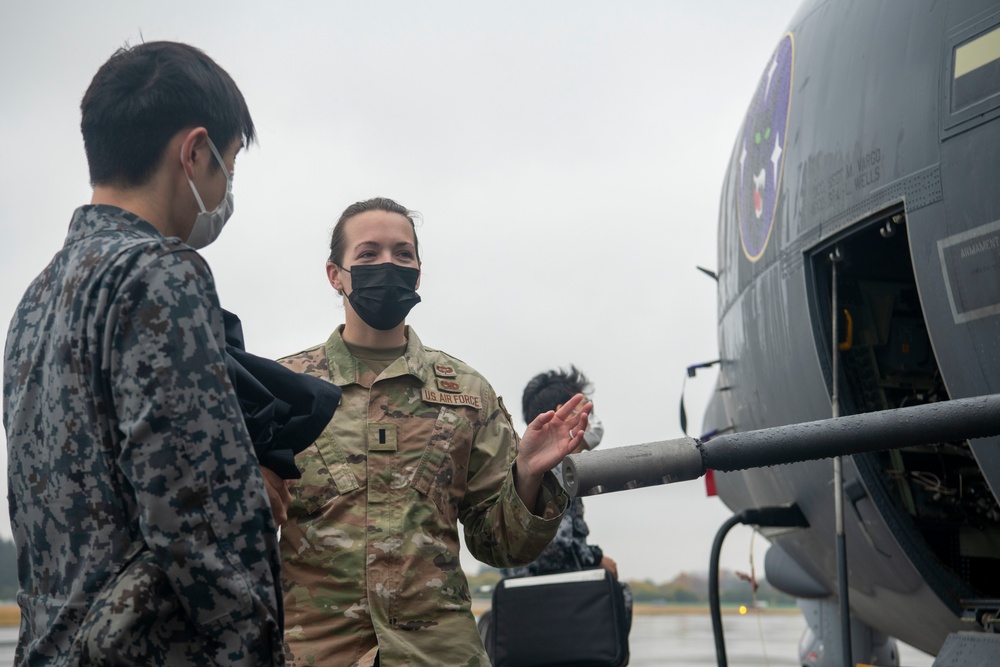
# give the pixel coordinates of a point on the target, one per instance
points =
(865, 181)
(871, 151)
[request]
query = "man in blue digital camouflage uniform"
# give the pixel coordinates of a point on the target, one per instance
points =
(569, 549)
(140, 514)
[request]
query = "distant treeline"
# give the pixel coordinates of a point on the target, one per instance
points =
(8, 570)
(683, 589)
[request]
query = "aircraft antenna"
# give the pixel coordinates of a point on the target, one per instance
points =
(836, 256)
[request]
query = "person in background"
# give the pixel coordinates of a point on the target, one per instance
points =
(569, 549)
(141, 517)
(420, 441)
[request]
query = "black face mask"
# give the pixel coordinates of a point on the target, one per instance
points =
(383, 294)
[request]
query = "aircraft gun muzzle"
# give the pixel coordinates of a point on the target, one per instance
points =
(668, 461)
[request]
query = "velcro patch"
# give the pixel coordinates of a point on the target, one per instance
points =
(431, 396)
(449, 386)
(381, 437)
(443, 371)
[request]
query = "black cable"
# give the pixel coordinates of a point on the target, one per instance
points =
(713, 588)
(774, 517)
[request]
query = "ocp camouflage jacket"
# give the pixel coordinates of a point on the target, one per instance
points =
(371, 549)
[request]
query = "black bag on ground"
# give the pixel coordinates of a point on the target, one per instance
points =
(574, 618)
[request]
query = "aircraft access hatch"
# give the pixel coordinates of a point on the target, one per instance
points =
(934, 497)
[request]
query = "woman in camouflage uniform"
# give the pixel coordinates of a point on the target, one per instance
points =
(420, 441)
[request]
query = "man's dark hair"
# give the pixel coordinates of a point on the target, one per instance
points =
(337, 238)
(550, 389)
(142, 96)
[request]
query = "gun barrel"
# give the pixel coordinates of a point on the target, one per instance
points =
(669, 461)
(632, 467)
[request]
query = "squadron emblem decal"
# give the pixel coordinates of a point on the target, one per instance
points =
(762, 150)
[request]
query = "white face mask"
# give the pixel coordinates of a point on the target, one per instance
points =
(595, 431)
(208, 225)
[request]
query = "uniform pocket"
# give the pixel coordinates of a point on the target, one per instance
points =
(325, 475)
(139, 617)
(443, 471)
(435, 472)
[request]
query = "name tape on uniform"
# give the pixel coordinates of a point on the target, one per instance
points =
(432, 396)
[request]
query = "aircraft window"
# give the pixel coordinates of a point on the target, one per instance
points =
(971, 86)
(976, 71)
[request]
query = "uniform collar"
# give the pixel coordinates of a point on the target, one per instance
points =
(101, 218)
(344, 368)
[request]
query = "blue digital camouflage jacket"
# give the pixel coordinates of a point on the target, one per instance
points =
(142, 526)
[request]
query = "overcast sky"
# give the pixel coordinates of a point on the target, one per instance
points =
(566, 156)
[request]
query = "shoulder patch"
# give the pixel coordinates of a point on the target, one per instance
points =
(431, 396)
